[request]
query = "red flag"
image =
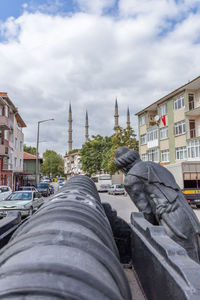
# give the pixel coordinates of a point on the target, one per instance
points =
(163, 120)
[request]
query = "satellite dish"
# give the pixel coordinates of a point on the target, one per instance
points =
(156, 118)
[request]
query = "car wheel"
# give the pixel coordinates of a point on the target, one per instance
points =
(30, 211)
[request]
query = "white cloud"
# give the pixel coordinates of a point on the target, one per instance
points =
(89, 59)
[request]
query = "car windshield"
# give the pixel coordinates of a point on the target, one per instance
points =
(19, 196)
(42, 185)
(26, 188)
(120, 186)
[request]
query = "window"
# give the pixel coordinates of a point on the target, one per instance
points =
(179, 128)
(179, 102)
(181, 153)
(21, 163)
(15, 162)
(5, 161)
(1, 110)
(6, 110)
(15, 142)
(6, 134)
(163, 109)
(165, 155)
(164, 133)
(191, 101)
(145, 157)
(152, 134)
(142, 120)
(143, 139)
(21, 146)
(194, 149)
(153, 155)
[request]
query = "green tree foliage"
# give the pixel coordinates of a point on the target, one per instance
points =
(53, 164)
(92, 153)
(122, 137)
(73, 151)
(29, 149)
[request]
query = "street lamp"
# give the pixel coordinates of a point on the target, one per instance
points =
(38, 134)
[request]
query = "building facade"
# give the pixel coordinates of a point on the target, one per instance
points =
(72, 164)
(11, 143)
(169, 133)
(30, 168)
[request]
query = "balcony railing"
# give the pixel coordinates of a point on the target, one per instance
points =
(6, 123)
(3, 150)
(191, 105)
(193, 133)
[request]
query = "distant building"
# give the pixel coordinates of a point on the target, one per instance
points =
(11, 143)
(169, 133)
(30, 168)
(72, 164)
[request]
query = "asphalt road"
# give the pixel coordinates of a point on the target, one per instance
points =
(124, 206)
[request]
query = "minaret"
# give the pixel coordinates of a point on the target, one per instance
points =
(116, 115)
(86, 127)
(70, 129)
(128, 123)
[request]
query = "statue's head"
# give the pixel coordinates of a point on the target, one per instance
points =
(125, 158)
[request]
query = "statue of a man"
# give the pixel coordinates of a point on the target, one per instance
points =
(155, 192)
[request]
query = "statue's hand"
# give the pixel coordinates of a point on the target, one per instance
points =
(163, 205)
(168, 213)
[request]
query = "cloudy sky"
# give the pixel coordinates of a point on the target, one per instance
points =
(89, 52)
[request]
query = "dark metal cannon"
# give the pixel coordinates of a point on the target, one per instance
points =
(66, 250)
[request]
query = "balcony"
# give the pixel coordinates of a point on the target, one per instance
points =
(6, 123)
(193, 133)
(193, 111)
(3, 150)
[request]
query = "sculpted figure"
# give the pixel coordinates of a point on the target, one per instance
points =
(155, 192)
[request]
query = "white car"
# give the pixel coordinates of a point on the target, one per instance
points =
(5, 191)
(24, 201)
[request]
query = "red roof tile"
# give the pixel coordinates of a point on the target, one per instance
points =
(31, 156)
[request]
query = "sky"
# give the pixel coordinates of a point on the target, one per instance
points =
(88, 53)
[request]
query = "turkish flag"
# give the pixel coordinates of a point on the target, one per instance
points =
(163, 120)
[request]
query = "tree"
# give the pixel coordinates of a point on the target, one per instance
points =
(53, 164)
(92, 153)
(121, 138)
(72, 151)
(29, 149)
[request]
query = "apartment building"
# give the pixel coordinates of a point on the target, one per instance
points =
(72, 164)
(169, 133)
(11, 143)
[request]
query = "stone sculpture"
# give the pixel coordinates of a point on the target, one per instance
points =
(155, 192)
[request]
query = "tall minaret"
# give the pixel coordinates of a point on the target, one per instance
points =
(116, 115)
(128, 123)
(70, 129)
(86, 127)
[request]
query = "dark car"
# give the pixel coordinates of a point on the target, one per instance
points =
(51, 188)
(43, 188)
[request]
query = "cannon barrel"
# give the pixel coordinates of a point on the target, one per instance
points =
(66, 250)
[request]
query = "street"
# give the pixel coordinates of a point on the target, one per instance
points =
(125, 206)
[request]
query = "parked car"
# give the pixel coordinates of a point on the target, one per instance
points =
(61, 184)
(27, 188)
(24, 201)
(46, 179)
(43, 188)
(5, 191)
(51, 188)
(116, 189)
